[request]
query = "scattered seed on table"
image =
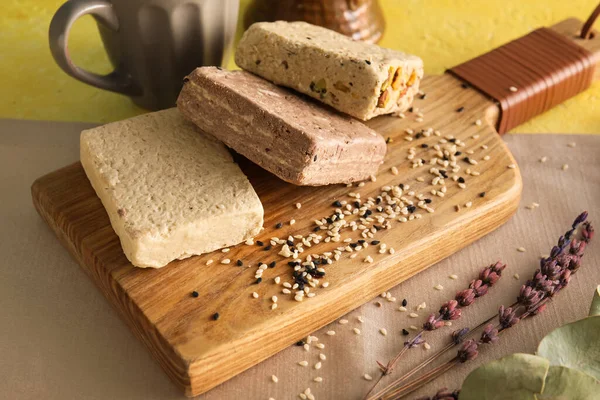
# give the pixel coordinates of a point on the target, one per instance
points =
(274, 378)
(413, 315)
(225, 261)
(453, 277)
(255, 295)
(330, 333)
(322, 357)
(292, 221)
(402, 308)
(565, 167)
(343, 321)
(298, 205)
(513, 89)
(414, 328)
(457, 208)
(279, 225)
(320, 345)
(356, 331)
(306, 347)
(404, 303)
(209, 262)
(426, 346)
(543, 159)
(521, 249)
(438, 287)
(378, 304)
(318, 365)
(572, 144)
(405, 332)
(277, 280)
(394, 170)
(303, 363)
(195, 294)
(383, 331)
(516, 276)
(368, 377)
(512, 166)
(478, 122)
(422, 306)
(318, 379)
(460, 109)
(259, 243)
(448, 323)
(215, 316)
(360, 319)
(226, 250)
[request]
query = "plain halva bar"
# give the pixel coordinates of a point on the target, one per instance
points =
(357, 78)
(170, 191)
(296, 139)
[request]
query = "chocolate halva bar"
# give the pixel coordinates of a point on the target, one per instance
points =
(357, 78)
(293, 137)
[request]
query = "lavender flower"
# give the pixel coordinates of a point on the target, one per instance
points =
(465, 297)
(432, 323)
(468, 351)
(489, 334)
(448, 311)
(507, 317)
(529, 296)
(459, 335)
(443, 394)
(479, 288)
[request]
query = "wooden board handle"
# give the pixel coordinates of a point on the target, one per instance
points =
(536, 72)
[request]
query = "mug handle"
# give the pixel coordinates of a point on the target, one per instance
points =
(60, 27)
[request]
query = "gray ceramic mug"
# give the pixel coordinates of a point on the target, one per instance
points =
(152, 44)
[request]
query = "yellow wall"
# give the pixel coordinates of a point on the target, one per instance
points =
(442, 32)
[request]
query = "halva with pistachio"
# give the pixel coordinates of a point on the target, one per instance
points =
(357, 78)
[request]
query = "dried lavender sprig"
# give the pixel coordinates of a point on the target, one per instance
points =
(451, 310)
(528, 303)
(443, 394)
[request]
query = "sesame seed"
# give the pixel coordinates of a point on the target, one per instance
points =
(279, 225)
(414, 328)
(215, 316)
(318, 365)
(521, 249)
(226, 250)
(478, 122)
(225, 261)
(368, 377)
(298, 205)
(405, 332)
(318, 379)
(460, 109)
(438, 287)
(249, 242)
(516, 276)
(404, 303)
(356, 331)
(306, 347)
(209, 262)
(255, 295)
(426, 346)
(482, 194)
(512, 166)
(322, 357)
(413, 315)
(368, 259)
(468, 204)
(571, 144)
(394, 170)
(277, 280)
(565, 167)
(383, 331)
(543, 159)
(513, 89)
(325, 284)
(274, 378)
(360, 319)
(453, 277)
(274, 299)
(303, 363)
(421, 306)
(402, 308)
(330, 333)
(292, 221)
(320, 345)
(343, 321)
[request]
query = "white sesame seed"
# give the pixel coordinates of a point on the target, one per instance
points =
(394, 170)
(368, 259)
(360, 319)
(356, 331)
(286, 291)
(292, 221)
(343, 321)
(255, 295)
(274, 378)
(426, 346)
(438, 287)
(511, 166)
(320, 345)
(277, 280)
(318, 365)
(565, 167)
(302, 396)
(468, 204)
(383, 331)
(330, 333)
(516, 276)
(249, 242)
(478, 122)
(318, 379)
(453, 277)
(298, 205)
(274, 299)
(543, 159)
(368, 377)
(513, 89)
(225, 261)
(422, 306)
(402, 308)
(325, 284)
(521, 249)
(226, 250)
(413, 315)
(572, 144)
(322, 357)
(448, 323)
(273, 306)
(414, 328)
(298, 298)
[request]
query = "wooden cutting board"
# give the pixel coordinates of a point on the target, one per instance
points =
(198, 352)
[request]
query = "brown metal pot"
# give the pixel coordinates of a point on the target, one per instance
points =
(359, 19)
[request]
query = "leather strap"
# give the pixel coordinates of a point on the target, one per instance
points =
(530, 75)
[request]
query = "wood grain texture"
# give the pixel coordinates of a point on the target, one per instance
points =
(199, 353)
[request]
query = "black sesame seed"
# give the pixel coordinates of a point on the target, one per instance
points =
(401, 186)
(464, 85)
(424, 145)
(299, 343)
(461, 179)
(239, 263)
(453, 140)
(279, 225)
(259, 243)
(427, 201)
(267, 248)
(378, 200)
(273, 264)
(337, 203)
(357, 204)
(419, 135)
(368, 62)
(292, 263)
(388, 140)
(458, 153)
(405, 332)
(377, 228)
(195, 294)
(375, 242)
(290, 243)
(466, 159)
(423, 96)
(410, 109)
(411, 209)
(259, 280)
(361, 241)
(482, 194)
(216, 316)
(316, 229)
(460, 109)
(329, 220)
(353, 245)
(443, 173)
(404, 303)
(315, 158)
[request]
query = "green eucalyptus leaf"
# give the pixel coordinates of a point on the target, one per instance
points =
(595, 308)
(514, 377)
(564, 383)
(575, 345)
